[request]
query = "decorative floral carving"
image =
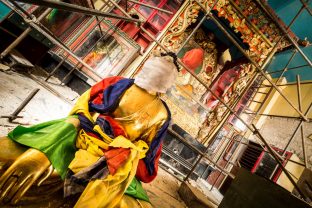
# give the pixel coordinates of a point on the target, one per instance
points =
(175, 36)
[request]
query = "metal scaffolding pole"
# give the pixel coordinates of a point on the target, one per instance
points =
(285, 30)
(295, 132)
(55, 40)
(278, 116)
(264, 100)
(150, 6)
(301, 127)
(290, 68)
(23, 35)
(287, 84)
(205, 17)
(75, 8)
(256, 65)
(305, 4)
(97, 18)
(271, 87)
(286, 67)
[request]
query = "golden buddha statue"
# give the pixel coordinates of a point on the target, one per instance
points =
(136, 118)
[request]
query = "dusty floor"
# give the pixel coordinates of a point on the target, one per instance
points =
(163, 191)
(45, 106)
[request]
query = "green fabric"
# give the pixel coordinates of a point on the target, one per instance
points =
(54, 138)
(136, 190)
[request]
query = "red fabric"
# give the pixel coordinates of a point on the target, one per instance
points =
(142, 173)
(193, 58)
(222, 86)
(96, 94)
(93, 135)
(117, 129)
(115, 158)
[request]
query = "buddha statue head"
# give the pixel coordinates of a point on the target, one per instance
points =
(158, 74)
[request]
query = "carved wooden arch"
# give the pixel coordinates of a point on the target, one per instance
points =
(259, 44)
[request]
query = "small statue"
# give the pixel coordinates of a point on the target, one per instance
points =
(111, 141)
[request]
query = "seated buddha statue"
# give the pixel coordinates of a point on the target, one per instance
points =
(100, 153)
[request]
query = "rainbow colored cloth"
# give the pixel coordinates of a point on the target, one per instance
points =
(99, 139)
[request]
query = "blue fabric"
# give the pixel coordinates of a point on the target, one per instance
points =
(105, 126)
(149, 160)
(85, 123)
(111, 97)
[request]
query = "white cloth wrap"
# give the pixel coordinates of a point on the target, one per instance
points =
(157, 75)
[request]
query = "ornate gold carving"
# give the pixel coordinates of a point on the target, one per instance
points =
(175, 36)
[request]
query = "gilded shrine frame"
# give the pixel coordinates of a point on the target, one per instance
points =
(251, 33)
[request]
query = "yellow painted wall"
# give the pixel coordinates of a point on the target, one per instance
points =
(268, 105)
(294, 169)
(277, 105)
(281, 107)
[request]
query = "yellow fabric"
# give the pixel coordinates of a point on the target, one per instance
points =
(82, 160)
(108, 192)
(82, 106)
(89, 151)
(140, 145)
(105, 137)
(129, 202)
(90, 143)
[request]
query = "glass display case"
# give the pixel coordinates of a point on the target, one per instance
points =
(107, 51)
(61, 23)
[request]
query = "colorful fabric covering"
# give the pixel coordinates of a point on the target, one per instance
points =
(95, 141)
(104, 98)
(54, 138)
(109, 191)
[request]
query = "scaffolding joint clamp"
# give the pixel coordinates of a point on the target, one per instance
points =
(33, 20)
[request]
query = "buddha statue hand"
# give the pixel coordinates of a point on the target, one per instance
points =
(22, 174)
